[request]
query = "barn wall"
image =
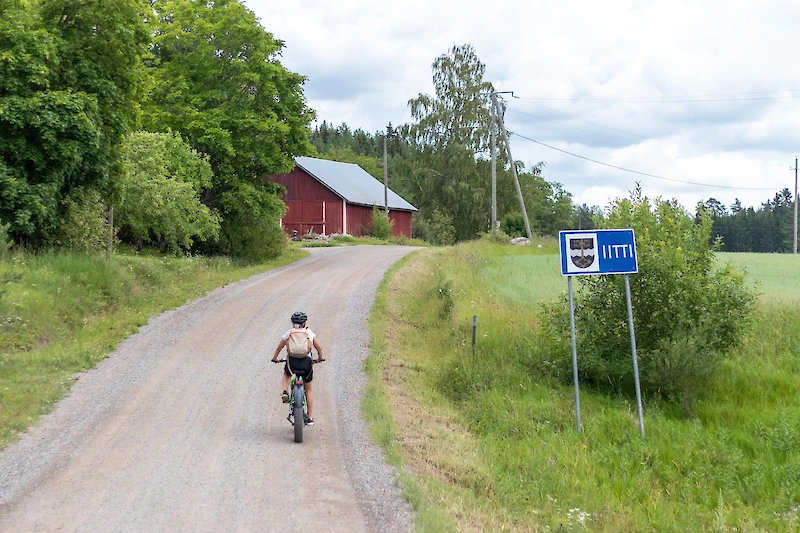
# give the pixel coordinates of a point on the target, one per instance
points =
(301, 186)
(311, 205)
(358, 219)
(334, 216)
(402, 223)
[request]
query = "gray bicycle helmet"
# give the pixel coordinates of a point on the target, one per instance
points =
(299, 317)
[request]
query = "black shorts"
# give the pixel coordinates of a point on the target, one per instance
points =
(300, 366)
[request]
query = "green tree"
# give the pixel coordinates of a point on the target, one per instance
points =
(100, 50)
(460, 112)
(585, 217)
(218, 81)
(69, 74)
(548, 204)
(513, 225)
(448, 169)
(451, 128)
(159, 196)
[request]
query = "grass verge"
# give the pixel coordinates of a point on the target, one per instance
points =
(489, 442)
(61, 313)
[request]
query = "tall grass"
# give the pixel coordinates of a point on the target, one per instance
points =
(733, 466)
(60, 313)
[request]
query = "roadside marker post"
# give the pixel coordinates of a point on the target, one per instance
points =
(594, 253)
(474, 332)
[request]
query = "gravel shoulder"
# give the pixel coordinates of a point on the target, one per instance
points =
(182, 428)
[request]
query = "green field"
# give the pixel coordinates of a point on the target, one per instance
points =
(775, 276)
(499, 450)
(522, 277)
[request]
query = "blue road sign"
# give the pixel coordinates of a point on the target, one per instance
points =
(599, 251)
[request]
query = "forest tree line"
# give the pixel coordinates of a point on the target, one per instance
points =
(768, 229)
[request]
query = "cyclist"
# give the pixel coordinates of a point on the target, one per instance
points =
(301, 365)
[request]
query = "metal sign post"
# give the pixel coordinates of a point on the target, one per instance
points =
(598, 252)
(574, 352)
(633, 353)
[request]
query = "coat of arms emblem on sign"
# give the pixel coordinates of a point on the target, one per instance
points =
(582, 252)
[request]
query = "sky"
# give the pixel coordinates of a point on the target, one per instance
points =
(700, 97)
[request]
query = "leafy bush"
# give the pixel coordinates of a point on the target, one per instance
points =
(253, 242)
(343, 239)
(497, 237)
(5, 239)
(436, 229)
(513, 224)
(159, 192)
(687, 314)
(84, 224)
(381, 225)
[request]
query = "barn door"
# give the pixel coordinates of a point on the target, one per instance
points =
(305, 217)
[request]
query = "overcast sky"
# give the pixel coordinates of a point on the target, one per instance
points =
(702, 91)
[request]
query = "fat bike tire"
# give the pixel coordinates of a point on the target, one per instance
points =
(299, 418)
(298, 424)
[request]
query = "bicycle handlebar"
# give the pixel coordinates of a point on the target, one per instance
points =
(313, 361)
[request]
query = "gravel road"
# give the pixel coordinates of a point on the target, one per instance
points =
(182, 428)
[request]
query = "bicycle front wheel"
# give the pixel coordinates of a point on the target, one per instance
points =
(299, 418)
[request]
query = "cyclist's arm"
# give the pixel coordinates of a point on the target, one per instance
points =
(317, 347)
(278, 349)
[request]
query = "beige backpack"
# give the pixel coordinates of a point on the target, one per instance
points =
(298, 344)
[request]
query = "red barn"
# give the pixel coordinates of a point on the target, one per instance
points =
(328, 197)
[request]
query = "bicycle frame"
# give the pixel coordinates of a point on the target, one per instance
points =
(298, 391)
(298, 403)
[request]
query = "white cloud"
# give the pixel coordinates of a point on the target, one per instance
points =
(365, 59)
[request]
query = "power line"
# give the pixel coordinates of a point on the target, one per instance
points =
(643, 173)
(556, 112)
(560, 123)
(686, 99)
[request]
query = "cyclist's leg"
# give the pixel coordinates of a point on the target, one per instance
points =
(285, 379)
(308, 376)
(310, 399)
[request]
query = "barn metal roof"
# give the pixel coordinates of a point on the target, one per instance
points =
(351, 182)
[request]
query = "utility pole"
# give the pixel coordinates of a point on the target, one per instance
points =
(385, 175)
(496, 107)
(494, 174)
(795, 206)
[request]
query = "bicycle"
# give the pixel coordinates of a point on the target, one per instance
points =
(298, 405)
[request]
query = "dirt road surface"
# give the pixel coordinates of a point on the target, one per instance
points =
(182, 428)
